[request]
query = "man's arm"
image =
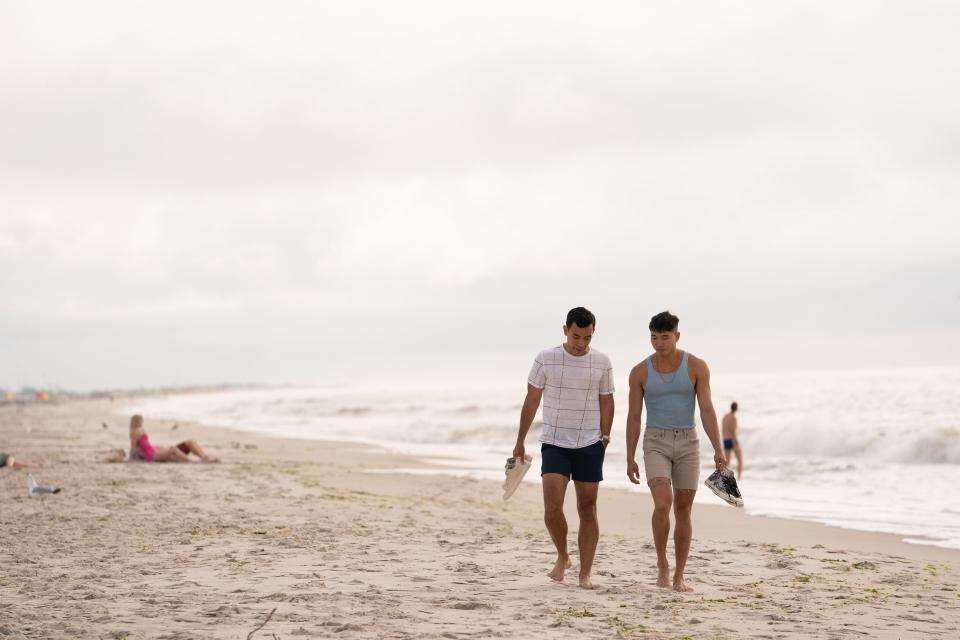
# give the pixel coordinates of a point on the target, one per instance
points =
(634, 415)
(134, 436)
(606, 416)
(708, 416)
(529, 411)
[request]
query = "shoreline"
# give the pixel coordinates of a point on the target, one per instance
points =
(466, 464)
(725, 521)
(312, 530)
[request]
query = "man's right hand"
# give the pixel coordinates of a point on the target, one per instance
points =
(518, 452)
(633, 471)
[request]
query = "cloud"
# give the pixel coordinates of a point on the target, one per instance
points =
(159, 97)
(226, 182)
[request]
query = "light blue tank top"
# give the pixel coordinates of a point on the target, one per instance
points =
(670, 397)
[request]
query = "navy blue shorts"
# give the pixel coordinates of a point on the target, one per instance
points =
(585, 465)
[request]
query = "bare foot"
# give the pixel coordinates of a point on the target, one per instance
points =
(680, 585)
(587, 583)
(663, 577)
(210, 459)
(560, 568)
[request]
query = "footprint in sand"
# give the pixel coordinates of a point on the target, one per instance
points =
(471, 605)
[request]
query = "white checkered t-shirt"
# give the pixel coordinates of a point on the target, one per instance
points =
(572, 387)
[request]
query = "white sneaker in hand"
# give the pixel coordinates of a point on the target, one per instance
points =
(515, 473)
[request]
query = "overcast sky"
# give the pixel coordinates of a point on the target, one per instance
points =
(354, 192)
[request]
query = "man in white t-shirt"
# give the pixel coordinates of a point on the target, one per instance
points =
(576, 384)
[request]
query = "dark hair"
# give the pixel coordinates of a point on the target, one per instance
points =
(664, 322)
(733, 406)
(582, 317)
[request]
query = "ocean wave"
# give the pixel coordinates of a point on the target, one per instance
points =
(353, 411)
(909, 445)
(942, 447)
(878, 419)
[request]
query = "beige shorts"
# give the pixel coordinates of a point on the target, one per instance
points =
(674, 454)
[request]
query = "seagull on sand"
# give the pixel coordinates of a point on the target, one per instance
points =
(37, 489)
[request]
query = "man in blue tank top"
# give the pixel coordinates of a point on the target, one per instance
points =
(670, 382)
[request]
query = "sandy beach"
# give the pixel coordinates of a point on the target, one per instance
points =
(321, 536)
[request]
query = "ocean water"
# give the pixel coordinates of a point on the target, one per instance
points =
(869, 450)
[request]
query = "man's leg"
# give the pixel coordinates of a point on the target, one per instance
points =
(589, 532)
(554, 490)
(739, 452)
(662, 491)
(683, 534)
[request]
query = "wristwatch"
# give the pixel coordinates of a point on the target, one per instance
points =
(604, 438)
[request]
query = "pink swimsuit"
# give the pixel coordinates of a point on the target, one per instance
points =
(146, 449)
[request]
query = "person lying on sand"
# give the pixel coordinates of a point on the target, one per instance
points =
(142, 449)
(7, 460)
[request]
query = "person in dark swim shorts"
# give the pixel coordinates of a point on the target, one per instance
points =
(729, 427)
(575, 383)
